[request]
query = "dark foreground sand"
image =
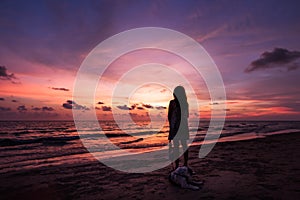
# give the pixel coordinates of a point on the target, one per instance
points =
(267, 168)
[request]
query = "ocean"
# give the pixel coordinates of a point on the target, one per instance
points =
(26, 145)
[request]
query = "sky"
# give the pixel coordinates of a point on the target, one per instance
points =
(254, 44)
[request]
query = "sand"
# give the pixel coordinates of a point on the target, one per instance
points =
(264, 168)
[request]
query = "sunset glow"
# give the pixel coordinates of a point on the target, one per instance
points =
(39, 60)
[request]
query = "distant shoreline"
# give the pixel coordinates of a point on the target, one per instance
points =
(201, 120)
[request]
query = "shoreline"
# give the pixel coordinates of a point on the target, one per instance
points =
(261, 168)
(224, 139)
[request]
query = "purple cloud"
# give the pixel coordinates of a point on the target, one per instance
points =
(4, 75)
(5, 109)
(22, 108)
(279, 57)
(62, 89)
(70, 102)
(36, 109)
(67, 106)
(133, 106)
(46, 108)
(124, 107)
(148, 106)
(106, 108)
(72, 105)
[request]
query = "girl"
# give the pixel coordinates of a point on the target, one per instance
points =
(178, 120)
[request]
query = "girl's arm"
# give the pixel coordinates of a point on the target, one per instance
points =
(170, 111)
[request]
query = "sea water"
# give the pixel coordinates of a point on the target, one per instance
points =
(35, 144)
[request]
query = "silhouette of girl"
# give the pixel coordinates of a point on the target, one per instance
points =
(178, 120)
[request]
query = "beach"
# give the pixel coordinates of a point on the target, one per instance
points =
(261, 168)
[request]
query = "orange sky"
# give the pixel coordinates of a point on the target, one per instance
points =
(43, 46)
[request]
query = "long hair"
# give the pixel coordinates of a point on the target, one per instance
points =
(180, 98)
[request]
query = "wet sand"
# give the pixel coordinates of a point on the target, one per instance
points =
(263, 168)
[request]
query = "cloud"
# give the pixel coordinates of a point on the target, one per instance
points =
(45, 108)
(22, 108)
(100, 102)
(5, 109)
(72, 105)
(106, 108)
(279, 57)
(133, 106)
(67, 106)
(141, 107)
(14, 101)
(71, 102)
(147, 106)
(36, 109)
(124, 107)
(80, 107)
(160, 107)
(4, 75)
(62, 89)
(2, 99)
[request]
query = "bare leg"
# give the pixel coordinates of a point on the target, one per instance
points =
(186, 152)
(176, 152)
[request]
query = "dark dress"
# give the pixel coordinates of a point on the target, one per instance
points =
(178, 122)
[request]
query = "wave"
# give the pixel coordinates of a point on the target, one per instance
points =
(132, 141)
(44, 140)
